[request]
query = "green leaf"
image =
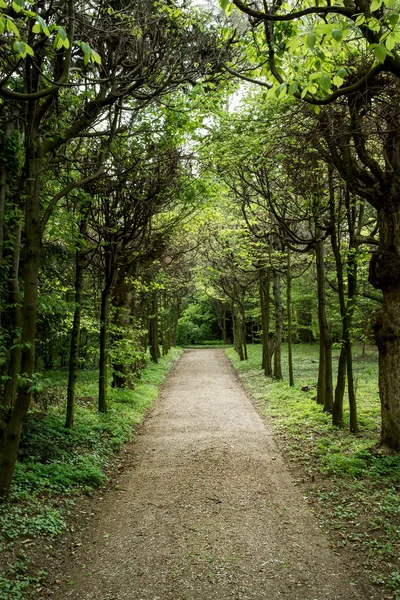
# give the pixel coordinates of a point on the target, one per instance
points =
(19, 47)
(36, 28)
(311, 39)
(390, 43)
(224, 4)
(326, 83)
(375, 4)
(16, 7)
(96, 57)
(380, 52)
(62, 33)
(393, 18)
(11, 27)
(342, 72)
(337, 81)
(337, 34)
(280, 90)
(293, 88)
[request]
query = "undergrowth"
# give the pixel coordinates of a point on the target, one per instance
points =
(353, 488)
(55, 464)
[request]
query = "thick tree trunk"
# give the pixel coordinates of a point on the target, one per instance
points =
(244, 332)
(10, 389)
(103, 362)
(76, 327)
(323, 326)
(265, 285)
(289, 317)
(321, 388)
(110, 267)
(237, 331)
(153, 329)
(352, 286)
(9, 442)
(278, 306)
(177, 311)
(224, 332)
(337, 410)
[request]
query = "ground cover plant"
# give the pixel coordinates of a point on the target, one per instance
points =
(57, 465)
(351, 484)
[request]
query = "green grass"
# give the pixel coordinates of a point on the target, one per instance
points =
(353, 488)
(55, 464)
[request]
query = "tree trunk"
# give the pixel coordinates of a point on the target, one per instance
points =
(11, 387)
(224, 332)
(103, 362)
(351, 302)
(265, 284)
(153, 329)
(337, 410)
(321, 372)
(9, 442)
(76, 327)
(325, 337)
(110, 264)
(244, 332)
(237, 332)
(278, 324)
(289, 314)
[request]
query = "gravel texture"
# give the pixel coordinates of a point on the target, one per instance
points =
(207, 510)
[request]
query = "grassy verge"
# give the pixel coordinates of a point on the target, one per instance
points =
(56, 465)
(353, 489)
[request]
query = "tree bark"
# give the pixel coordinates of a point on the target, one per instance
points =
(337, 409)
(153, 329)
(11, 387)
(237, 331)
(76, 327)
(104, 327)
(278, 306)
(289, 317)
(325, 337)
(9, 442)
(265, 284)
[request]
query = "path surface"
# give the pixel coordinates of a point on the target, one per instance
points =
(208, 510)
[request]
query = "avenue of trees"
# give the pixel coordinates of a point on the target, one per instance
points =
(127, 187)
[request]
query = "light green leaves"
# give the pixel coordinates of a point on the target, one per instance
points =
(89, 55)
(393, 18)
(375, 5)
(23, 49)
(18, 5)
(293, 87)
(61, 40)
(41, 26)
(311, 39)
(7, 24)
(380, 52)
(325, 83)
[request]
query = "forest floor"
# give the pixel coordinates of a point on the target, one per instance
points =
(205, 509)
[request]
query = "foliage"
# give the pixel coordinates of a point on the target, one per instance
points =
(196, 322)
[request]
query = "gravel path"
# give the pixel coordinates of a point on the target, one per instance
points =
(208, 510)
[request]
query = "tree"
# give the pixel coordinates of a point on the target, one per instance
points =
(346, 51)
(63, 70)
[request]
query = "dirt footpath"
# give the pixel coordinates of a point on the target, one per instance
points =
(208, 511)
